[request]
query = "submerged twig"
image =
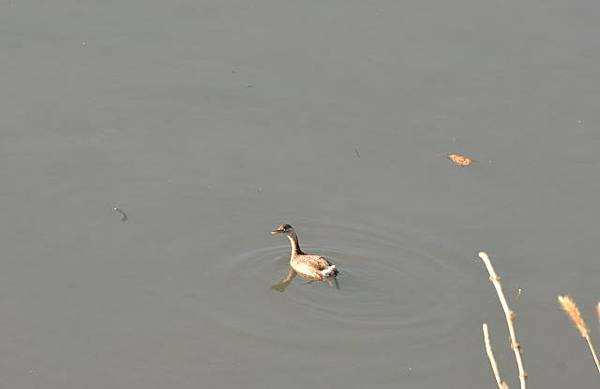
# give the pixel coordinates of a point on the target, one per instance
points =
(490, 354)
(510, 317)
(122, 213)
(568, 305)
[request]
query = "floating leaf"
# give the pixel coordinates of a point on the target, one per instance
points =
(460, 160)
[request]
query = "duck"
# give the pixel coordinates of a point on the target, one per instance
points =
(310, 267)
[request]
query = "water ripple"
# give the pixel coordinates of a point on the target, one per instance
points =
(393, 283)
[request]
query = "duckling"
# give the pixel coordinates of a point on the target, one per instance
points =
(309, 267)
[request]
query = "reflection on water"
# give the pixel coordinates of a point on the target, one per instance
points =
(285, 282)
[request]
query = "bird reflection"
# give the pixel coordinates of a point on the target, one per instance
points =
(285, 282)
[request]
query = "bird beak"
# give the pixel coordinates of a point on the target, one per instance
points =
(277, 231)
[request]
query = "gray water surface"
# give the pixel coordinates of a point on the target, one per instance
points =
(209, 123)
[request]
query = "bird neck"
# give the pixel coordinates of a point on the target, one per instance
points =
(294, 242)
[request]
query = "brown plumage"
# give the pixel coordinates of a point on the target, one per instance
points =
(312, 267)
(309, 267)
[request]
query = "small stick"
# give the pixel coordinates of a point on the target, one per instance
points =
(356, 152)
(490, 354)
(568, 305)
(510, 317)
(122, 213)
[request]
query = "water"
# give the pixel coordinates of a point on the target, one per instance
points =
(210, 123)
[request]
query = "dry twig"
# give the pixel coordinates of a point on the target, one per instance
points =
(510, 317)
(122, 213)
(568, 305)
(490, 354)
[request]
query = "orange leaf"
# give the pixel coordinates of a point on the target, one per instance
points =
(460, 160)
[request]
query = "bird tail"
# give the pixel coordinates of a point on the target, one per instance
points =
(331, 271)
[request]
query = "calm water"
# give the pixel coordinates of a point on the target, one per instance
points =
(209, 123)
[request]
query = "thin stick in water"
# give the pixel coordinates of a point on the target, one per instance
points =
(122, 213)
(490, 354)
(510, 317)
(568, 305)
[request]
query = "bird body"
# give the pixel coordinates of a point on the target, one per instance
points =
(312, 267)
